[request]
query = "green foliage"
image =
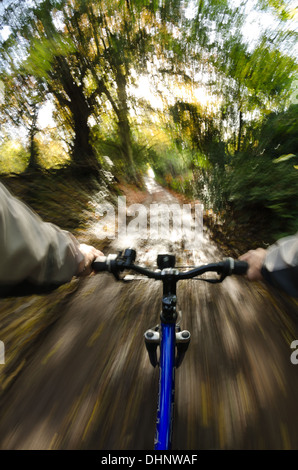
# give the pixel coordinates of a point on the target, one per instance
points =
(211, 187)
(278, 134)
(256, 186)
(200, 130)
(43, 53)
(172, 168)
(13, 157)
(257, 71)
(259, 185)
(263, 181)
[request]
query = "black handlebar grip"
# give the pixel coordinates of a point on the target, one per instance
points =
(100, 264)
(240, 267)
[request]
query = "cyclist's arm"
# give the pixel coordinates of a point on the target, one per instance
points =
(34, 250)
(278, 265)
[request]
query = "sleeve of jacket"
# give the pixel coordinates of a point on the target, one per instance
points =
(280, 267)
(31, 249)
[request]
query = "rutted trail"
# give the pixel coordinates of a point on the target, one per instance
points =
(89, 383)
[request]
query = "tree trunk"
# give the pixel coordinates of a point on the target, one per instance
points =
(33, 158)
(239, 131)
(126, 144)
(124, 125)
(83, 155)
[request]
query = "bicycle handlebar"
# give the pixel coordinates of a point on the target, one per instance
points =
(118, 263)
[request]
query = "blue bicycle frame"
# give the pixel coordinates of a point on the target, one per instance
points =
(172, 349)
(163, 437)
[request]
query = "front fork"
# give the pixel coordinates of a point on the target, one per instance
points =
(152, 341)
(152, 336)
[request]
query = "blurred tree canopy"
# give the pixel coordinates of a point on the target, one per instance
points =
(84, 53)
(216, 114)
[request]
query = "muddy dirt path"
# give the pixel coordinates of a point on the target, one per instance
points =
(89, 383)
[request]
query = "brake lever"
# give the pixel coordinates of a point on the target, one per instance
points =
(120, 262)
